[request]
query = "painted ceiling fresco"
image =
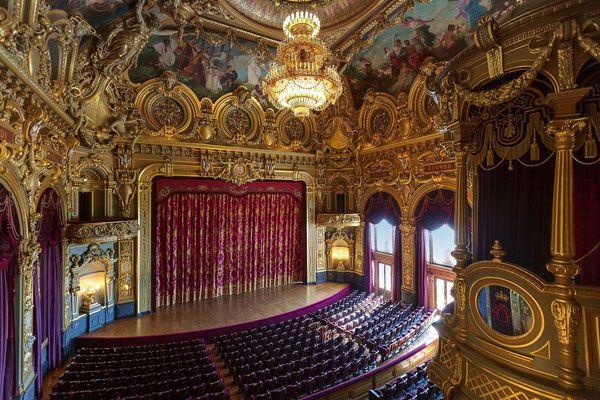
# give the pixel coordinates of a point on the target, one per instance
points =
(210, 71)
(96, 12)
(439, 29)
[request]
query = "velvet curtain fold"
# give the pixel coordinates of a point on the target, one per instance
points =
(382, 206)
(397, 292)
(515, 207)
(368, 261)
(587, 220)
(9, 244)
(211, 244)
(434, 210)
(50, 264)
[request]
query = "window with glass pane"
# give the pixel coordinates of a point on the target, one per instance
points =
(388, 277)
(382, 236)
(381, 275)
(438, 246)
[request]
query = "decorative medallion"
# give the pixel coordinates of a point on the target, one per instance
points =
(294, 129)
(381, 122)
(168, 112)
(238, 122)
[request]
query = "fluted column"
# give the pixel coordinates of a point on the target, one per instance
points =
(462, 133)
(565, 309)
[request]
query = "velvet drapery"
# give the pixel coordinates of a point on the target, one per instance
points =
(50, 259)
(211, 243)
(433, 211)
(10, 236)
(515, 207)
(380, 206)
(587, 220)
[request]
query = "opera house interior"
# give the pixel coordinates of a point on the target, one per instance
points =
(286, 199)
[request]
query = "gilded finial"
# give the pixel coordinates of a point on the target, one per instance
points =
(497, 251)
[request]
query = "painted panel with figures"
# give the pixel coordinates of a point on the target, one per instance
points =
(438, 30)
(95, 12)
(210, 71)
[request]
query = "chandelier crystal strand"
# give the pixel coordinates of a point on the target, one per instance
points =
(301, 80)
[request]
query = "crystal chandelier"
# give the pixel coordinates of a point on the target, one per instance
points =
(300, 79)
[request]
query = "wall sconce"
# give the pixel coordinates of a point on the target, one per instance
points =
(341, 254)
(89, 298)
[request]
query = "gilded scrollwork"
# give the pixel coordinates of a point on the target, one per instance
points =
(566, 319)
(119, 49)
(101, 231)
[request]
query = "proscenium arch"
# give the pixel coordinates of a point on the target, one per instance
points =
(143, 267)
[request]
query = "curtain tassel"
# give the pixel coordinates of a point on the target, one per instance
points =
(534, 150)
(489, 158)
(510, 166)
(590, 146)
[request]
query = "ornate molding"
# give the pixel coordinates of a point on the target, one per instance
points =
(338, 220)
(101, 232)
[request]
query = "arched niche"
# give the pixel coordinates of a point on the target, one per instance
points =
(95, 265)
(94, 197)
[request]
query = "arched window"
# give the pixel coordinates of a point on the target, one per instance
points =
(438, 247)
(382, 247)
(434, 221)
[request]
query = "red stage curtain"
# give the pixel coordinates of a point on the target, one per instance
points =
(379, 207)
(587, 220)
(433, 211)
(211, 243)
(10, 236)
(515, 207)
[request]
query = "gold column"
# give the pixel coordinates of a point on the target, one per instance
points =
(408, 230)
(565, 309)
(462, 133)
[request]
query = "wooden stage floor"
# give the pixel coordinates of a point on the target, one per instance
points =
(220, 311)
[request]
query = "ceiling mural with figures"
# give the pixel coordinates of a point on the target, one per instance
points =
(209, 70)
(440, 29)
(95, 12)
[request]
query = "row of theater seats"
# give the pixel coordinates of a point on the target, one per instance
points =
(303, 356)
(387, 327)
(402, 335)
(173, 371)
(413, 385)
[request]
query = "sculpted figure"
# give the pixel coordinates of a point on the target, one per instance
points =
(120, 49)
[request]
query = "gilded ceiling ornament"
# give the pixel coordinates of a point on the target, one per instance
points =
(238, 122)
(120, 48)
(168, 113)
(294, 129)
(380, 122)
